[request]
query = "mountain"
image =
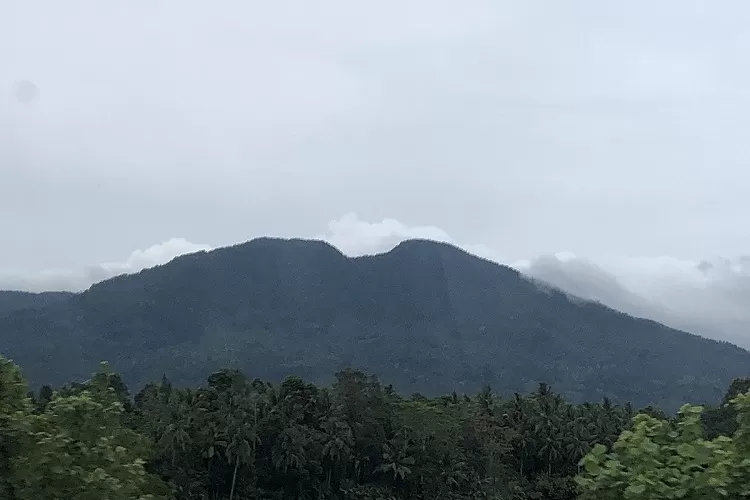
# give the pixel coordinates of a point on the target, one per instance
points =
(425, 317)
(13, 301)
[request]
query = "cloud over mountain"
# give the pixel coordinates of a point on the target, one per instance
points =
(80, 279)
(354, 236)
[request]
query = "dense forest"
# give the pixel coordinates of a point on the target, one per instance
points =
(426, 317)
(13, 300)
(237, 438)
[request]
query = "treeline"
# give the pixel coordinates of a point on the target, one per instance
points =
(237, 438)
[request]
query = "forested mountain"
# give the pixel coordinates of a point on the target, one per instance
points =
(13, 300)
(425, 317)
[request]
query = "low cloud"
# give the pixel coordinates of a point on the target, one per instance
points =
(707, 297)
(153, 256)
(587, 280)
(77, 280)
(355, 237)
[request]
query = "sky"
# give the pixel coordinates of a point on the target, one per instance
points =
(601, 145)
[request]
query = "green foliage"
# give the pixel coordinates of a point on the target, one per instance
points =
(426, 317)
(660, 459)
(722, 420)
(80, 451)
(14, 409)
(77, 448)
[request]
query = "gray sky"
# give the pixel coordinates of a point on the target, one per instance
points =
(613, 130)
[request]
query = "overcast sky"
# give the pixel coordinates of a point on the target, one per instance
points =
(614, 131)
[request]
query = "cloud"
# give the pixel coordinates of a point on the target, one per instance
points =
(587, 280)
(153, 256)
(77, 280)
(706, 297)
(354, 236)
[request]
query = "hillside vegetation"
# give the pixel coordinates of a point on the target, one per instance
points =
(14, 300)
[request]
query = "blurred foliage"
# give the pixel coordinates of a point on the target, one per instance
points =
(77, 447)
(661, 459)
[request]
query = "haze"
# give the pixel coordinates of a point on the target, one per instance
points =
(614, 132)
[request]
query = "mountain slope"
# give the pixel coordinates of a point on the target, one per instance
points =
(425, 316)
(13, 301)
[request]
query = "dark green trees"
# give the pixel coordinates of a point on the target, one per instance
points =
(14, 409)
(238, 439)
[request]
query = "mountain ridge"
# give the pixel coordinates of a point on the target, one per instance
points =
(12, 300)
(425, 316)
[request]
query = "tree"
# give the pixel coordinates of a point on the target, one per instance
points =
(337, 447)
(237, 439)
(15, 409)
(658, 459)
(397, 459)
(176, 437)
(78, 449)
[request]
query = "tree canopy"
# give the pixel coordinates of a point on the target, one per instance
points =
(660, 459)
(237, 438)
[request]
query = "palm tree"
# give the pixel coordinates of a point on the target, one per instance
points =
(290, 449)
(396, 456)
(177, 435)
(240, 411)
(577, 435)
(337, 446)
(453, 472)
(519, 421)
(238, 451)
(396, 461)
(548, 427)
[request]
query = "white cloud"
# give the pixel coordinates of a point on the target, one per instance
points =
(154, 255)
(77, 280)
(354, 236)
(357, 237)
(707, 297)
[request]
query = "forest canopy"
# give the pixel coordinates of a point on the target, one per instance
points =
(237, 438)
